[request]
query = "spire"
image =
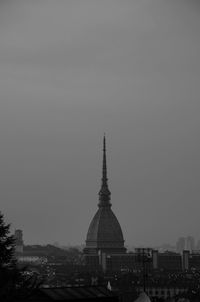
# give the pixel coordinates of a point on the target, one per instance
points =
(104, 170)
(104, 193)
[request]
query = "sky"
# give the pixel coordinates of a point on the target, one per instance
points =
(72, 70)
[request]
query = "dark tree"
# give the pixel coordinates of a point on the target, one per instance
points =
(7, 244)
(15, 283)
(8, 270)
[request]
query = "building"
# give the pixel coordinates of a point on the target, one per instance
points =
(104, 236)
(180, 245)
(198, 245)
(190, 243)
(163, 291)
(168, 261)
(176, 262)
(185, 243)
(191, 261)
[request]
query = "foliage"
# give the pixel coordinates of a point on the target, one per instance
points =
(15, 284)
(7, 243)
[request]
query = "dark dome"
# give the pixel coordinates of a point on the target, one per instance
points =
(104, 230)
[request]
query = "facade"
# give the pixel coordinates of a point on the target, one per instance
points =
(169, 261)
(191, 261)
(104, 235)
(163, 292)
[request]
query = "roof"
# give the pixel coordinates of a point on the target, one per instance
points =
(76, 293)
(105, 228)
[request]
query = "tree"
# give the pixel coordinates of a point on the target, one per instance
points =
(7, 244)
(8, 272)
(15, 284)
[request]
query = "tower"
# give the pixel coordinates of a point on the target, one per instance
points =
(190, 243)
(104, 235)
(180, 245)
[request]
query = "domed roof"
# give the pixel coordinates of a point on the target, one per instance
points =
(105, 230)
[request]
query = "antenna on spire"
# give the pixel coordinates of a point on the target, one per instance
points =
(104, 193)
(104, 174)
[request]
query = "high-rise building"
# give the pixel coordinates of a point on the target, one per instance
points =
(180, 245)
(198, 245)
(190, 243)
(104, 236)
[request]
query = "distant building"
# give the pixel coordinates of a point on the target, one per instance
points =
(198, 245)
(180, 245)
(186, 243)
(190, 243)
(163, 291)
(19, 244)
(167, 261)
(104, 237)
(191, 261)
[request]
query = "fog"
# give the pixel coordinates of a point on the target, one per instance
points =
(72, 70)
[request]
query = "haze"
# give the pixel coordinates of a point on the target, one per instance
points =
(72, 70)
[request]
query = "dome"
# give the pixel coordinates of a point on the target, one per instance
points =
(104, 230)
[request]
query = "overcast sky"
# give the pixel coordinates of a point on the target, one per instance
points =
(70, 70)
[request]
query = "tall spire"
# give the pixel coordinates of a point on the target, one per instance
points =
(104, 193)
(104, 170)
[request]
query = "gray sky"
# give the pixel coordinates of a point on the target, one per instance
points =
(70, 70)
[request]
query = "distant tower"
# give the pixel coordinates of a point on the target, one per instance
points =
(190, 243)
(19, 245)
(180, 245)
(198, 245)
(104, 234)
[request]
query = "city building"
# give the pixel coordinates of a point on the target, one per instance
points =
(167, 261)
(198, 245)
(180, 245)
(163, 292)
(104, 236)
(176, 262)
(190, 243)
(186, 243)
(191, 260)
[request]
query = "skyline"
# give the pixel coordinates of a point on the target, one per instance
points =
(70, 71)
